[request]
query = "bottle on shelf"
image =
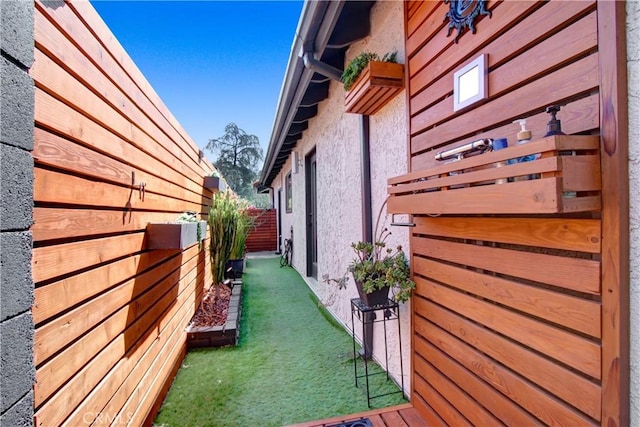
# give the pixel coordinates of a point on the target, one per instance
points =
(523, 137)
(499, 144)
(554, 127)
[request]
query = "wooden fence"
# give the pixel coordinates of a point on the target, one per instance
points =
(109, 159)
(264, 236)
(511, 321)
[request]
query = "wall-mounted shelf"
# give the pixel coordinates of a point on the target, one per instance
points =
(175, 235)
(378, 84)
(567, 179)
(215, 183)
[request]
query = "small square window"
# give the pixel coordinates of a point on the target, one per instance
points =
(288, 193)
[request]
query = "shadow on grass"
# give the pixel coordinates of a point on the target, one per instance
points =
(293, 363)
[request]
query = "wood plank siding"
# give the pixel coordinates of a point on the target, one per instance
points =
(264, 235)
(396, 416)
(519, 315)
(109, 313)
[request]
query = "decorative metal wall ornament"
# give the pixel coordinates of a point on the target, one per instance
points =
(462, 13)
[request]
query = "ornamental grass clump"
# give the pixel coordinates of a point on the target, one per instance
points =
(230, 225)
(244, 224)
(222, 223)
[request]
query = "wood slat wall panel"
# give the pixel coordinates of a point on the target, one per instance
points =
(545, 407)
(580, 116)
(578, 77)
(66, 155)
(264, 235)
(509, 309)
(565, 310)
(63, 222)
(109, 313)
(575, 351)
(55, 115)
(582, 275)
(53, 373)
(577, 40)
(113, 61)
(582, 235)
(483, 393)
(470, 408)
(163, 116)
(584, 394)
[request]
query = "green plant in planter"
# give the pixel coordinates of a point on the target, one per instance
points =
(191, 216)
(357, 64)
(222, 222)
(377, 267)
(244, 224)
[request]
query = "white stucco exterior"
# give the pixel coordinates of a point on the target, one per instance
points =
(335, 136)
(633, 70)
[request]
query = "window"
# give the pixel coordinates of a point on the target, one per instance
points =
(288, 195)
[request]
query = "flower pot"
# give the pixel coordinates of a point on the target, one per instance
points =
(215, 183)
(377, 297)
(175, 235)
(378, 84)
(237, 268)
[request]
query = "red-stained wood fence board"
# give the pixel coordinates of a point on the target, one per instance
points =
(518, 315)
(263, 237)
(109, 159)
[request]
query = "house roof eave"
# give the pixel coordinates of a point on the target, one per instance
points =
(325, 29)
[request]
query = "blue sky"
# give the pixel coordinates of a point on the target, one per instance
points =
(211, 62)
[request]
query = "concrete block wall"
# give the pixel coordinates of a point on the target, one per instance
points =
(16, 213)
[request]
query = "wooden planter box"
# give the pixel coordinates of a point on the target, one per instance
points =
(218, 336)
(215, 183)
(378, 84)
(567, 179)
(174, 235)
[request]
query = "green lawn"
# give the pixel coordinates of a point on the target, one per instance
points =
(292, 364)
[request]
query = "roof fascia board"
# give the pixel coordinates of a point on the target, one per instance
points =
(317, 22)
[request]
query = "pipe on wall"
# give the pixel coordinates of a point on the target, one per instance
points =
(320, 67)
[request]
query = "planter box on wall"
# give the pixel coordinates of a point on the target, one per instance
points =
(378, 84)
(215, 183)
(174, 235)
(218, 336)
(566, 178)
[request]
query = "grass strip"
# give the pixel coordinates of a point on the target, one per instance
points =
(293, 363)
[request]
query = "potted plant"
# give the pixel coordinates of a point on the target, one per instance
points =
(244, 223)
(376, 270)
(222, 222)
(215, 182)
(371, 82)
(179, 234)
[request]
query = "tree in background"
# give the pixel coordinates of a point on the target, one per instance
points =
(239, 155)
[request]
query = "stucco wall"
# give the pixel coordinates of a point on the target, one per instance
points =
(335, 135)
(633, 55)
(16, 213)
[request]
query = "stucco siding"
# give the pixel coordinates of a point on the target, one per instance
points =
(336, 137)
(633, 55)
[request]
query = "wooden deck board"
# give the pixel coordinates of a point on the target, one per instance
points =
(405, 413)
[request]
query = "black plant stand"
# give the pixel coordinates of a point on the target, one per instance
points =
(367, 315)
